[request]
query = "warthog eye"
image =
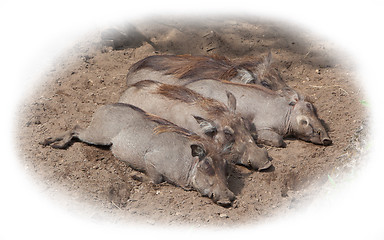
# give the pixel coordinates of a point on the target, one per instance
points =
(206, 166)
(211, 133)
(228, 133)
(265, 84)
(303, 122)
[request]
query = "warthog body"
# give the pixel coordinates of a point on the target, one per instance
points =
(181, 69)
(158, 147)
(275, 114)
(205, 116)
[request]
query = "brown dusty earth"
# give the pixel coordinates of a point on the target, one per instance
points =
(92, 182)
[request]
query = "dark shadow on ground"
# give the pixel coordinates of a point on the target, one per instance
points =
(207, 36)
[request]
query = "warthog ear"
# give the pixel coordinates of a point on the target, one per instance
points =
(207, 126)
(246, 76)
(250, 81)
(290, 95)
(263, 66)
(268, 58)
(302, 120)
(231, 101)
(198, 151)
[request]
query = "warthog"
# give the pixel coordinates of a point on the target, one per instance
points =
(205, 116)
(275, 114)
(160, 148)
(181, 69)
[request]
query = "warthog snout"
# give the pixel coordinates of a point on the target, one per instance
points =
(327, 141)
(225, 200)
(264, 162)
(257, 158)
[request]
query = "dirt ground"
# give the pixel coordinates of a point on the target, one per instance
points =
(92, 182)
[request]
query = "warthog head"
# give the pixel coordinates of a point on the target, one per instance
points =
(244, 148)
(230, 131)
(261, 72)
(209, 175)
(222, 135)
(306, 125)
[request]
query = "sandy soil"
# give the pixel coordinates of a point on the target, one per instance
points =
(92, 181)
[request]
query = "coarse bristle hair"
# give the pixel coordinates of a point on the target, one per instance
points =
(186, 95)
(163, 124)
(186, 66)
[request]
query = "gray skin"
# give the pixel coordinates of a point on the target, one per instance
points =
(180, 70)
(223, 126)
(274, 114)
(148, 143)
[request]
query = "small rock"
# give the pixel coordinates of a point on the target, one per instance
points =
(318, 71)
(151, 221)
(223, 215)
(284, 192)
(137, 178)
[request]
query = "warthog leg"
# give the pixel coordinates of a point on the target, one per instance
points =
(270, 137)
(62, 141)
(95, 134)
(150, 169)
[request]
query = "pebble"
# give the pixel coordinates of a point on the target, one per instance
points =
(151, 221)
(223, 215)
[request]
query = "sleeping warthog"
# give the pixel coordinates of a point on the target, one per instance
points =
(181, 69)
(205, 116)
(275, 114)
(158, 147)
